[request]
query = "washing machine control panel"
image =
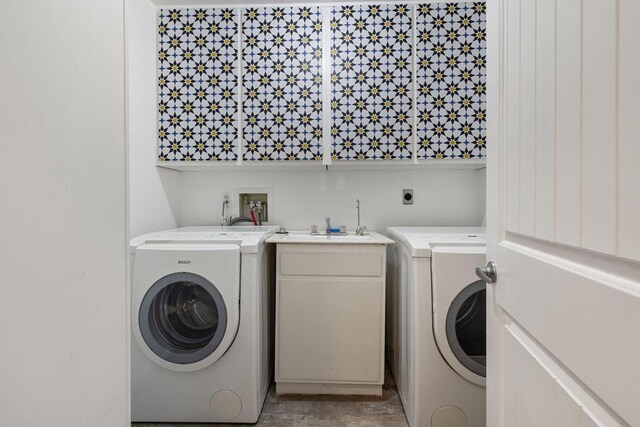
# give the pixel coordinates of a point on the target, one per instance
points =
(453, 238)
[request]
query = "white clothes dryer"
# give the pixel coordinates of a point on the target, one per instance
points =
(201, 324)
(436, 324)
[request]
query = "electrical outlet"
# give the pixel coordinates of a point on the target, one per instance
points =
(407, 196)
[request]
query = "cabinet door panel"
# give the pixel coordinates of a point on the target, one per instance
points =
(197, 84)
(371, 82)
(282, 83)
(330, 330)
(451, 80)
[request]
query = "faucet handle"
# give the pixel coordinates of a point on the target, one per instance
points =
(362, 230)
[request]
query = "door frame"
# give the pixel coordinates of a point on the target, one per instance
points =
(494, 173)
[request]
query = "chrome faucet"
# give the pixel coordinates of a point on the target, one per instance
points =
(328, 219)
(361, 230)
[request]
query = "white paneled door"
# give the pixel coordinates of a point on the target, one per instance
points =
(564, 213)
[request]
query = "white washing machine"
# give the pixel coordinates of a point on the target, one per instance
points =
(436, 324)
(201, 324)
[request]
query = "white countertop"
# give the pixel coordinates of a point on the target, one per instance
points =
(304, 237)
(421, 240)
(248, 238)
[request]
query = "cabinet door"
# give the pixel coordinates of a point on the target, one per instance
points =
(371, 103)
(197, 84)
(282, 83)
(451, 80)
(330, 330)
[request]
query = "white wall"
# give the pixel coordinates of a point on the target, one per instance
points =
(443, 197)
(162, 198)
(63, 322)
(151, 207)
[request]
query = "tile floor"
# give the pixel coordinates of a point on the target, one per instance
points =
(326, 411)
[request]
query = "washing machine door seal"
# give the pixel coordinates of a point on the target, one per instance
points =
(459, 310)
(183, 318)
(466, 327)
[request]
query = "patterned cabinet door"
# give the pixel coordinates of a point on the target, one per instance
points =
(451, 80)
(198, 83)
(282, 83)
(371, 101)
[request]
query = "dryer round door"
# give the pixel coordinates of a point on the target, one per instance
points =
(184, 322)
(466, 328)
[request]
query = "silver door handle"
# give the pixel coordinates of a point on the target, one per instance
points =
(489, 273)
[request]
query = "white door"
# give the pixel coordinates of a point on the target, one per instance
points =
(564, 213)
(64, 344)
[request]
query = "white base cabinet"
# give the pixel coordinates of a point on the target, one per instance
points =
(330, 318)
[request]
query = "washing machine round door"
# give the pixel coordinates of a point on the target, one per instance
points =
(466, 327)
(182, 318)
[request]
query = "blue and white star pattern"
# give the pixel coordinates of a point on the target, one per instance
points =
(370, 92)
(197, 84)
(371, 101)
(282, 83)
(451, 80)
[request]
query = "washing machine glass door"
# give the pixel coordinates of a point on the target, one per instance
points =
(466, 327)
(183, 318)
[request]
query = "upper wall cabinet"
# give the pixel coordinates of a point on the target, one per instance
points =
(388, 81)
(197, 84)
(451, 80)
(282, 83)
(371, 102)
